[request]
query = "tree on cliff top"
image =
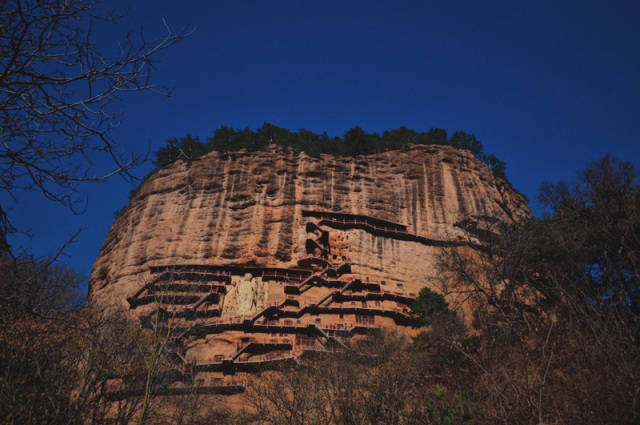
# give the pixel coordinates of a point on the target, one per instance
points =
(355, 142)
(57, 88)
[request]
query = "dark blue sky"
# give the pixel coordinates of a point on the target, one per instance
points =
(547, 86)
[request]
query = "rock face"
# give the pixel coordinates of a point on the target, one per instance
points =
(236, 248)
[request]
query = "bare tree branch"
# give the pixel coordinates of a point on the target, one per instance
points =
(57, 92)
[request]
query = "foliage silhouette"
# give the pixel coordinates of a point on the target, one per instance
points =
(354, 142)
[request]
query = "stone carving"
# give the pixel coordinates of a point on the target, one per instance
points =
(245, 298)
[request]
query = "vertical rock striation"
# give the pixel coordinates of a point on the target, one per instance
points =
(194, 231)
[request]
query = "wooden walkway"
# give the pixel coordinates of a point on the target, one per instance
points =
(382, 228)
(194, 294)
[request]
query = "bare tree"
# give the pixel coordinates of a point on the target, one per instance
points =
(555, 308)
(57, 93)
(380, 380)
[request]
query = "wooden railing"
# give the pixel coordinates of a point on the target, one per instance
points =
(381, 228)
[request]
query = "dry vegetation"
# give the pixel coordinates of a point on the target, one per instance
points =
(553, 309)
(67, 364)
(549, 336)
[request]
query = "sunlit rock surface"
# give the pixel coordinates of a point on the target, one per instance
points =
(252, 210)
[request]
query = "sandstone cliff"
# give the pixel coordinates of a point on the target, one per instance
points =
(234, 238)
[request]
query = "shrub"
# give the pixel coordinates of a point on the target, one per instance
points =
(427, 305)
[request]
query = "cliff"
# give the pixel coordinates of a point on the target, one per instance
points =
(233, 243)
